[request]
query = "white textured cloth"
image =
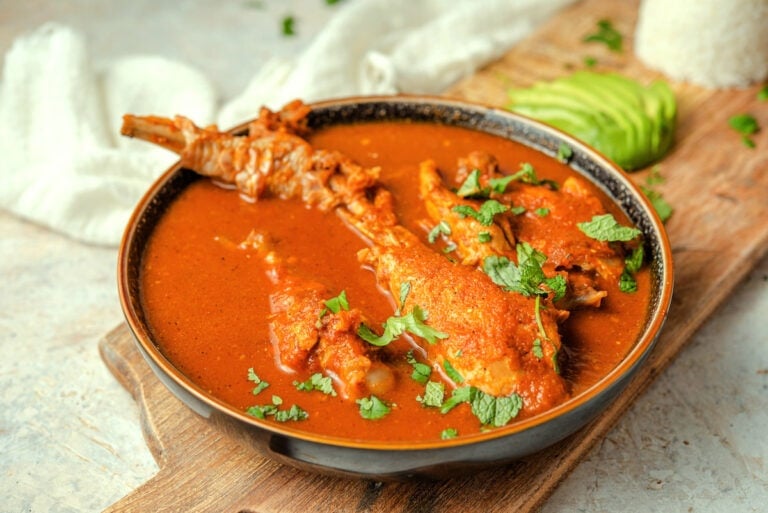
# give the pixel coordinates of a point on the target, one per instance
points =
(65, 166)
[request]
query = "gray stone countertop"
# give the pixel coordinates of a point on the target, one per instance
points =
(70, 437)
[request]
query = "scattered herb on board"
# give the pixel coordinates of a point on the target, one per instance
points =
(590, 62)
(762, 94)
(662, 207)
(606, 34)
(746, 125)
(288, 23)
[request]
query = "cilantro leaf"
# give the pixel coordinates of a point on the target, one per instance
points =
(433, 394)
(541, 211)
(260, 385)
(372, 408)
(484, 237)
(294, 413)
(338, 303)
(762, 94)
(606, 228)
(421, 371)
(288, 26)
(484, 215)
(448, 433)
(471, 187)
(746, 125)
(317, 382)
(452, 372)
(441, 228)
(537, 350)
(413, 322)
(632, 264)
(459, 395)
(627, 282)
(499, 185)
(527, 276)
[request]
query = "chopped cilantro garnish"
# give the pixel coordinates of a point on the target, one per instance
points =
(396, 325)
(499, 185)
(459, 395)
(335, 305)
(294, 413)
(260, 385)
(471, 187)
(372, 408)
(448, 433)
(421, 371)
(542, 211)
(607, 35)
(516, 211)
(564, 152)
(433, 396)
(452, 373)
(484, 237)
(537, 351)
(606, 228)
(450, 248)
(527, 276)
(441, 228)
(632, 264)
(484, 215)
(405, 289)
(317, 382)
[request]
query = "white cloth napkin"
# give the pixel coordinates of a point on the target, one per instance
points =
(65, 166)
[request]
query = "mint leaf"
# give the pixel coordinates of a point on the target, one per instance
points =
(433, 394)
(372, 408)
(606, 228)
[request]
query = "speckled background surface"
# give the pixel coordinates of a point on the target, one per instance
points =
(70, 439)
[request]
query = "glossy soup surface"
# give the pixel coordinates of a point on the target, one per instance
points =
(207, 309)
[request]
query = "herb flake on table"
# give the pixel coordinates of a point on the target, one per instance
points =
(288, 26)
(746, 125)
(607, 35)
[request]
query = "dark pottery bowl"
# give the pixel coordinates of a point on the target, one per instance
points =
(424, 459)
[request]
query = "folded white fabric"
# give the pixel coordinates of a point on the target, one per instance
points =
(65, 166)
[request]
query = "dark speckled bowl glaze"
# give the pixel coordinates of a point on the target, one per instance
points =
(425, 459)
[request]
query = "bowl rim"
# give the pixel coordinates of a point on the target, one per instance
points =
(634, 357)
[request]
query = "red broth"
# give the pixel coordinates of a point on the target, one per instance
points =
(206, 304)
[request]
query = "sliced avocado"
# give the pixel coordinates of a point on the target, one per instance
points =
(630, 123)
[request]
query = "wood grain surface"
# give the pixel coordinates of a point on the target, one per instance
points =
(719, 189)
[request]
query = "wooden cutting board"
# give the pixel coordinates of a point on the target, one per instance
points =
(719, 189)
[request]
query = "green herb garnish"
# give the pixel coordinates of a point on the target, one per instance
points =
(762, 94)
(564, 152)
(448, 433)
(421, 371)
(317, 382)
(527, 277)
(413, 322)
(484, 215)
(484, 237)
(441, 228)
(746, 125)
(495, 411)
(433, 396)
(372, 408)
(606, 228)
(537, 350)
(288, 26)
(632, 264)
(471, 187)
(542, 211)
(260, 385)
(607, 35)
(662, 207)
(452, 373)
(294, 413)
